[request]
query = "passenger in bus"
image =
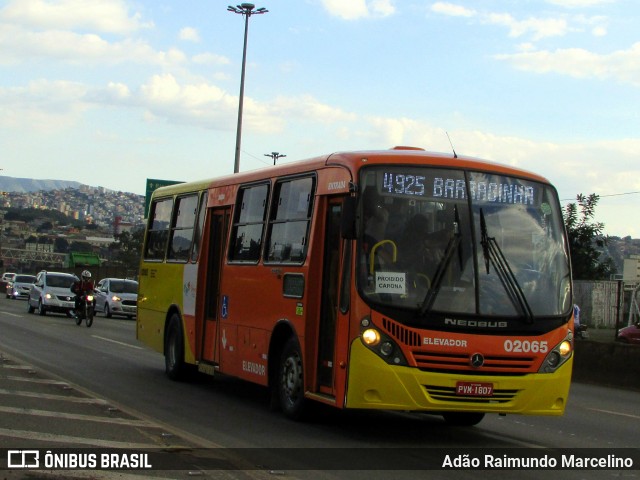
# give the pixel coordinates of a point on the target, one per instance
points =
(376, 217)
(420, 250)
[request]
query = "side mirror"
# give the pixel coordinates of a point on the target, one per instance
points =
(348, 219)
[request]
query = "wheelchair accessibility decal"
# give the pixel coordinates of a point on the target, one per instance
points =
(224, 309)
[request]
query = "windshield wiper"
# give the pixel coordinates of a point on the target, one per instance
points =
(493, 254)
(452, 245)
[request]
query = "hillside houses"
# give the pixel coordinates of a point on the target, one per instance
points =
(95, 216)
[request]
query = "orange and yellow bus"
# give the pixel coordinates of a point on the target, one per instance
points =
(397, 279)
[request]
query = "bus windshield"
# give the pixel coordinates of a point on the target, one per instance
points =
(462, 242)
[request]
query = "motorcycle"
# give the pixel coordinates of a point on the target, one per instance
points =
(86, 310)
(582, 333)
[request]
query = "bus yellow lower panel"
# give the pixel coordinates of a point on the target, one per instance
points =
(374, 384)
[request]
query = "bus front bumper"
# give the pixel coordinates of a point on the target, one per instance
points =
(374, 384)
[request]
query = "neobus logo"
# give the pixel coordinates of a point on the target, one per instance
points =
(474, 323)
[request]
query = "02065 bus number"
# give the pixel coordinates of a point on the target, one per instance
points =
(526, 346)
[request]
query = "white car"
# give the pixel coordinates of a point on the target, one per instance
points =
(117, 296)
(7, 277)
(51, 292)
(20, 286)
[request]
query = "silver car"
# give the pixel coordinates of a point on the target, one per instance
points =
(20, 285)
(117, 296)
(51, 292)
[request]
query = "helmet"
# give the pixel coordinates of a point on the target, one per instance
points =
(86, 275)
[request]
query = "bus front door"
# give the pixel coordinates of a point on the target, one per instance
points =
(217, 228)
(331, 312)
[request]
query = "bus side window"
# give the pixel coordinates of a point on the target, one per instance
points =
(289, 221)
(182, 229)
(197, 237)
(248, 225)
(158, 230)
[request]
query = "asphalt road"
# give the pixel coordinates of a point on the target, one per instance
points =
(124, 385)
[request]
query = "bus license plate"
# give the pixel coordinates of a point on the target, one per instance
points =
(474, 389)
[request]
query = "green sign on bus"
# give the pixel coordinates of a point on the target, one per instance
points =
(152, 185)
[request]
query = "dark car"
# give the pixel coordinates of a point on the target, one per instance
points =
(630, 334)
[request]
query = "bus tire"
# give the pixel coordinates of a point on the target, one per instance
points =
(463, 419)
(174, 349)
(291, 381)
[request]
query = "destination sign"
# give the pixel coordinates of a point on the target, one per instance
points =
(480, 188)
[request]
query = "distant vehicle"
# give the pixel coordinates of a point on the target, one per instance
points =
(7, 277)
(20, 286)
(117, 296)
(51, 292)
(630, 334)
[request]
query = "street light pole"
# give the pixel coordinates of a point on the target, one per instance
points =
(275, 156)
(245, 9)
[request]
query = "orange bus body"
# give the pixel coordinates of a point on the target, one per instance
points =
(240, 308)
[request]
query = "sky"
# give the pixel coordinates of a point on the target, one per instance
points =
(113, 92)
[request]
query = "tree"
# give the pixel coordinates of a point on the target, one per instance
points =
(586, 240)
(128, 248)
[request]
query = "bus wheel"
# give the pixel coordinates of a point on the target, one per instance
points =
(291, 381)
(174, 349)
(463, 419)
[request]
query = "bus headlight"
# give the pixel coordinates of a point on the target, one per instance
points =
(565, 348)
(381, 344)
(371, 337)
(557, 356)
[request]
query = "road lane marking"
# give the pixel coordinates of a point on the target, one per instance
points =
(51, 437)
(44, 381)
(10, 314)
(119, 343)
(22, 393)
(76, 416)
(620, 414)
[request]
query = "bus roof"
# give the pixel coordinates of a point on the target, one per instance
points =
(353, 160)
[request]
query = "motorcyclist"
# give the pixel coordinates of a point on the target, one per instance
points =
(81, 288)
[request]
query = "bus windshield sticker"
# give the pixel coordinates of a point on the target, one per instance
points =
(391, 282)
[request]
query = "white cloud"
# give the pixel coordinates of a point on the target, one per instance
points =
(356, 9)
(538, 27)
(18, 45)
(599, 31)
(42, 106)
(535, 27)
(452, 9)
(189, 34)
(210, 59)
(579, 3)
(110, 16)
(622, 65)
